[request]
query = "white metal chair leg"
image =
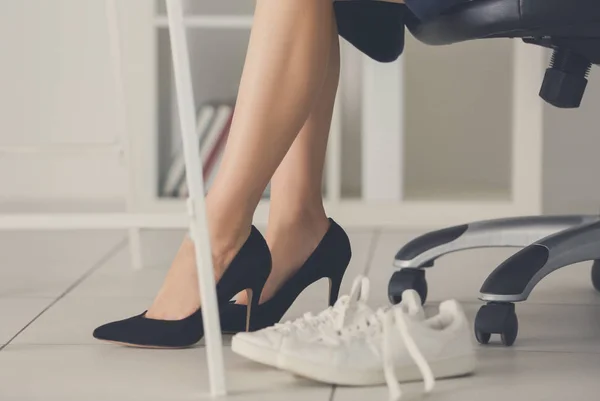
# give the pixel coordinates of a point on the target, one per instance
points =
(196, 205)
(135, 243)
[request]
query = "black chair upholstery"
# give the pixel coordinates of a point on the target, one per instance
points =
(570, 27)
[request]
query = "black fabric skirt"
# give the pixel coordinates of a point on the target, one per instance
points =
(377, 28)
(426, 9)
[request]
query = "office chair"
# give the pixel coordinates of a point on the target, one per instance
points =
(571, 28)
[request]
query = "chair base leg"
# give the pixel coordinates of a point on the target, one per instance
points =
(514, 279)
(516, 232)
(596, 275)
(548, 243)
(569, 240)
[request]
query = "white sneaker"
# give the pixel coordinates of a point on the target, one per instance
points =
(386, 347)
(264, 346)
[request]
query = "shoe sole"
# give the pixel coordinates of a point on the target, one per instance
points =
(256, 353)
(442, 369)
(143, 346)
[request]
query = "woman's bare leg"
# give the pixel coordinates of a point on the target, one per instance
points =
(297, 219)
(285, 69)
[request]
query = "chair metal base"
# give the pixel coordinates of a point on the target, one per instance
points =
(516, 277)
(548, 243)
(516, 232)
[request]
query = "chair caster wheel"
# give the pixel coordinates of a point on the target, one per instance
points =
(407, 279)
(482, 338)
(596, 275)
(497, 318)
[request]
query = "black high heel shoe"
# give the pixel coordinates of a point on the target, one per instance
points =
(248, 271)
(329, 260)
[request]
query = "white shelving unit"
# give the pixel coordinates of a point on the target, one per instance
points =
(218, 33)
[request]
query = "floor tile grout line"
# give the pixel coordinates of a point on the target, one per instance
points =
(117, 248)
(371, 252)
(111, 253)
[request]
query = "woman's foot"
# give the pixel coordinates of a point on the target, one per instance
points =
(179, 295)
(248, 270)
(291, 245)
(329, 259)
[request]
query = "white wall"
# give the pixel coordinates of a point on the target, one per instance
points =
(56, 89)
(458, 118)
(571, 155)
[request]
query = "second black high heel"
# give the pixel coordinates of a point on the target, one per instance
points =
(248, 271)
(329, 260)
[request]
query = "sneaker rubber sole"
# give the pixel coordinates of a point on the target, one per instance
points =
(254, 352)
(343, 376)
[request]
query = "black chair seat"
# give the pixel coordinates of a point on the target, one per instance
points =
(479, 19)
(570, 27)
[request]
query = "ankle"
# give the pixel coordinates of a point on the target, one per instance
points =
(300, 220)
(293, 238)
(228, 231)
(305, 210)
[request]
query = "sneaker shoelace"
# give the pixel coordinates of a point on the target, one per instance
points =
(310, 321)
(387, 322)
(396, 319)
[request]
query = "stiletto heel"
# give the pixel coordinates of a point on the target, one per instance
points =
(250, 297)
(248, 270)
(334, 289)
(253, 295)
(329, 260)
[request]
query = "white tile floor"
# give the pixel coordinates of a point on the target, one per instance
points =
(56, 287)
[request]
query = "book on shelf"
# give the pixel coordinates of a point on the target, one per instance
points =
(213, 137)
(176, 173)
(213, 172)
(214, 142)
(214, 123)
(210, 178)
